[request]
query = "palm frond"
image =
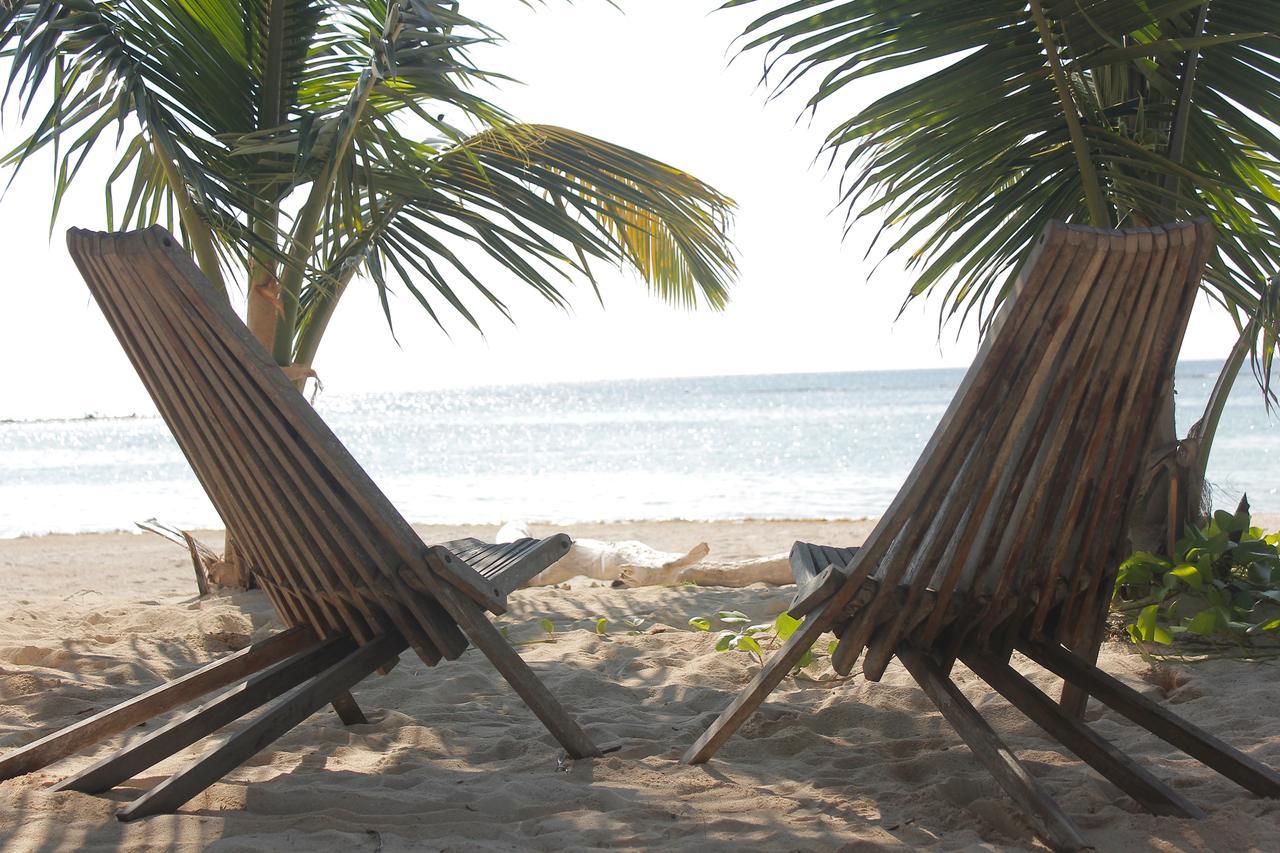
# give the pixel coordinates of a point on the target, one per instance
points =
(967, 161)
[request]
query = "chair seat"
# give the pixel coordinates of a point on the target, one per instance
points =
(489, 572)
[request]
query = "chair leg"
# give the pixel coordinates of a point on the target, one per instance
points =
(1191, 739)
(1152, 794)
(269, 726)
(769, 676)
(348, 711)
(166, 697)
(1075, 698)
(1056, 828)
(229, 706)
(517, 673)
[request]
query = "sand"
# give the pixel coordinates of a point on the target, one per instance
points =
(452, 760)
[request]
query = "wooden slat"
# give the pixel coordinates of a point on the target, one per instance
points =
(1191, 739)
(1057, 459)
(1115, 412)
(1008, 434)
(531, 562)
(814, 591)
(1055, 827)
(458, 546)
(348, 710)
(173, 406)
(291, 526)
(461, 577)
(513, 557)
(286, 400)
(962, 464)
(1188, 277)
(804, 565)
(225, 708)
(158, 700)
(379, 520)
(1129, 776)
(265, 730)
(492, 554)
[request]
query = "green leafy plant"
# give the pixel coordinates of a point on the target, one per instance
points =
(742, 635)
(300, 145)
(1221, 589)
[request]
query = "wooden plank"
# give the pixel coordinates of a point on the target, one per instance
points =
(266, 414)
(1074, 393)
(513, 557)
(460, 576)
(348, 710)
(1056, 828)
(380, 525)
(814, 591)
(305, 526)
(248, 450)
(1191, 739)
(1009, 429)
(494, 553)
(1074, 700)
(1200, 236)
(1114, 421)
(86, 250)
(804, 565)
(764, 682)
(459, 546)
(172, 395)
(979, 390)
(1130, 777)
(849, 649)
(266, 729)
(517, 673)
(158, 700)
(227, 707)
(532, 562)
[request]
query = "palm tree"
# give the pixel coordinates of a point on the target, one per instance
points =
(1106, 112)
(303, 143)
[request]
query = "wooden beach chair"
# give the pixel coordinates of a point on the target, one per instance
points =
(343, 570)
(1009, 530)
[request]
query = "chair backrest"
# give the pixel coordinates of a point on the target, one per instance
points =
(327, 545)
(1017, 511)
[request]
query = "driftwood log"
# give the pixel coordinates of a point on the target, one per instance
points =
(631, 563)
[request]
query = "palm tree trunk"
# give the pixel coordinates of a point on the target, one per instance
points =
(264, 308)
(1175, 493)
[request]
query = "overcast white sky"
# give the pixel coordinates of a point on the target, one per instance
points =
(656, 79)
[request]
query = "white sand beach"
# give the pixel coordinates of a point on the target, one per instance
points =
(452, 760)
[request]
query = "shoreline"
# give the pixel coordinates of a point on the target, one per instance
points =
(1267, 520)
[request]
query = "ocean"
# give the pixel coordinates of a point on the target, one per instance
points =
(820, 445)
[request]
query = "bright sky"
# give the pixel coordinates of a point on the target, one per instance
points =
(657, 79)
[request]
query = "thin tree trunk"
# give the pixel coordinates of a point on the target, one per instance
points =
(1175, 492)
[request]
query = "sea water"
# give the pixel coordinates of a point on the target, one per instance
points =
(822, 445)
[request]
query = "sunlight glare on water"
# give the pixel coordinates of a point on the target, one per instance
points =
(835, 445)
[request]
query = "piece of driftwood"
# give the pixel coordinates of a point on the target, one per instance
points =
(343, 570)
(1008, 531)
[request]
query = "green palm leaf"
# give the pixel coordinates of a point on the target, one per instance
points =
(310, 141)
(966, 162)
